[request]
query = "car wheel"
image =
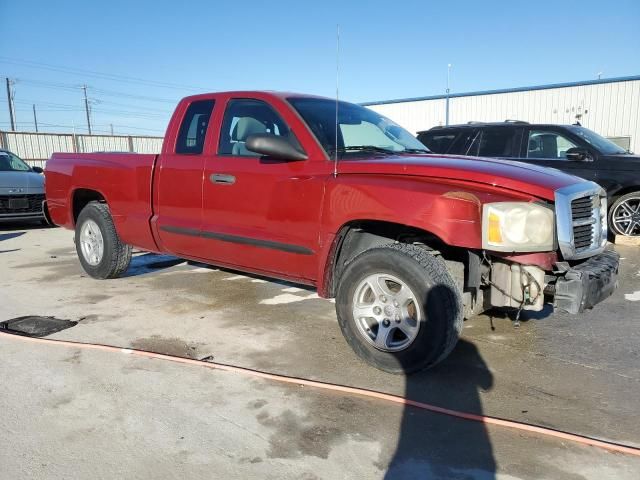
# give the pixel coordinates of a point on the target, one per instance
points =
(624, 215)
(100, 250)
(398, 308)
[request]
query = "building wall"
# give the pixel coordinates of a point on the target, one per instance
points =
(609, 107)
(36, 148)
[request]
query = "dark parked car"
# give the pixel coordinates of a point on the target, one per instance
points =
(21, 190)
(570, 148)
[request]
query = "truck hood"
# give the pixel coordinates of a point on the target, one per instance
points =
(540, 182)
(29, 182)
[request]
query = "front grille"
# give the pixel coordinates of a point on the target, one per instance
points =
(581, 220)
(584, 213)
(33, 205)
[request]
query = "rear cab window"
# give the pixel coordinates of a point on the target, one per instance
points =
(193, 128)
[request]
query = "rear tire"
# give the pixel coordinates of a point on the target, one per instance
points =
(411, 320)
(624, 215)
(100, 250)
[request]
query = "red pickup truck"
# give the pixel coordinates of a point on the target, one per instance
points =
(333, 195)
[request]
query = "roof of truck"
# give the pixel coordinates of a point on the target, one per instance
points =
(249, 93)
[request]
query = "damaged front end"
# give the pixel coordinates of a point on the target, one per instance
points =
(586, 273)
(572, 288)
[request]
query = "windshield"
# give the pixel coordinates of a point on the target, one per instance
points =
(359, 129)
(10, 163)
(604, 146)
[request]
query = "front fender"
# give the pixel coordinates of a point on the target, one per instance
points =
(449, 209)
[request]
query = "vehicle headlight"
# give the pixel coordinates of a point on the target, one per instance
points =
(518, 227)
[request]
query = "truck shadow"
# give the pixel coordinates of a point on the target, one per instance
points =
(150, 262)
(432, 445)
(254, 276)
(525, 316)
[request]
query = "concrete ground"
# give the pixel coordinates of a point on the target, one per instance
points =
(71, 413)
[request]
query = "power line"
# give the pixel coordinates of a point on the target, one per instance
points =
(89, 105)
(94, 74)
(137, 106)
(139, 97)
(62, 107)
(58, 86)
(76, 88)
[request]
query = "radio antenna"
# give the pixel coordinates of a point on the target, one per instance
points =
(335, 151)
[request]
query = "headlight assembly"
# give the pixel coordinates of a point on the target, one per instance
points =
(518, 227)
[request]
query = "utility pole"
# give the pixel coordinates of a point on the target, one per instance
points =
(12, 113)
(35, 118)
(448, 90)
(86, 108)
(111, 125)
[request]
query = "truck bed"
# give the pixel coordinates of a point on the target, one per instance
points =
(124, 180)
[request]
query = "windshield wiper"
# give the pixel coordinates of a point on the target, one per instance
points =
(363, 148)
(416, 150)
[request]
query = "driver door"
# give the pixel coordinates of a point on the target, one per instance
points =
(260, 213)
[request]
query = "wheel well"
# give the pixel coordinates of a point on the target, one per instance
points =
(358, 236)
(464, 265)
(624, 191)
(81, 197)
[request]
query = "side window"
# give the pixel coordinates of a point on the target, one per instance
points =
(194, 127)
(245, 117)
(495, 142)
(438, 142)
(548, 145)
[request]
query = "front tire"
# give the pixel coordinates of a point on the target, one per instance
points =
(100, 250)
(398, 308)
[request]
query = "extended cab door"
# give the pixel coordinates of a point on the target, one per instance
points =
(178, 180)
(547, 146)
(261, 214)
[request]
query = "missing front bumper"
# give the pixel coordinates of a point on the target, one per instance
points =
(584, 285)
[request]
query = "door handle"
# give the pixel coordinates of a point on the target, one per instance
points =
(222, 179)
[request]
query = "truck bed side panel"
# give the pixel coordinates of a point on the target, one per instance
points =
(123, 180)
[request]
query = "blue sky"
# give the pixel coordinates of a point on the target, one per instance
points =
(388, 50)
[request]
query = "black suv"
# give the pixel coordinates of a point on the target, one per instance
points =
(570, 148)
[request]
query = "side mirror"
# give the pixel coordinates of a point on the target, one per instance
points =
(578, 154)
(274, 146)
(37, 169)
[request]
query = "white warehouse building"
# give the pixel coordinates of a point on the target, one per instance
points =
(610, 107)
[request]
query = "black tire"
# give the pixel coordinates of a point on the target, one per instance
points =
(117, 255)
(634, 197)
(427, 277)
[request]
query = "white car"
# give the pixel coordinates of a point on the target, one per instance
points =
(21, 190)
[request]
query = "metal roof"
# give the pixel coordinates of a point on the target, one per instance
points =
(508, 90)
